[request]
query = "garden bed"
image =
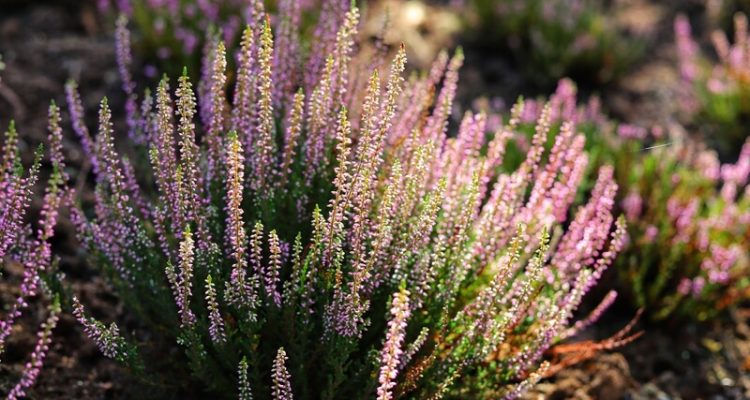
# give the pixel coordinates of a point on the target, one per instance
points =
(44, 44)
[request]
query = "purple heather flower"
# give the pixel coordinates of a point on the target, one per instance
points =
(392, 349)
(34, 366)
(286, 63)
(75, 109)
(106, 338)
(273, 269)
(214, 107)
(124, 61)
(216, 323)
(282, 387)
(632, 204)
(245, 393)
(265, 143)
(185, 279)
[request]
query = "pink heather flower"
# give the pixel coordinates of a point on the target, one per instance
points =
(273, 269)
(15, 193)
(214, 102)
(163, 156)
(687, 49)
(287, 69)
(164, 53)
(685, 286)
(230, 28)
(234, 184)
(106, 338)
(216, 323)
(33, 367)
(590, 228)
(651, 233)
(118, 227)
(240, 291)
(190, 192)
(682, 216)
(739, 172)
(124, 61)
(245, 393)
(698, 284)
(265, 146)
(189, 39)
(319, 108)
(332, 16)
(563, 101)
(437, 124)
(282, 387)
(124, 6)
(159, 25)
(627, 131)
(340, 200)
(245, 108)
(76, 111)
(15, 200)
(657, 132)
(291, 139)
(632, 204)
(707, 162)
(102, 5)
(618, 240)
(719, 263)
(392, 349)
(209, 9)
(716, 86)
(185, 281)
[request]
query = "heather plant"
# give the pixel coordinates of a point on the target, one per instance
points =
(690, 222)
(688, 215)
(551, 39)
(29, 246)
(320, 235)
(715, 98)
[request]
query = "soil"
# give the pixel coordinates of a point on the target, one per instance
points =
(44, 43)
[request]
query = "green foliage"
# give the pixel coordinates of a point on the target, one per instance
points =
(552, 39)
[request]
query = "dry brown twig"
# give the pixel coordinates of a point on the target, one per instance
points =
(568, 354)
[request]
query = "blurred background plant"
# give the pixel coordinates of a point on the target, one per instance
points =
(688, 214)
(551, 39)
(690, 225)
(715, 97)
(172, 34)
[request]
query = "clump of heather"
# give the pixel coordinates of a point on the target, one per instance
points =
(688, 214)
(689, 217)
(715, 97)
(551, 39)
(29, 245)
(320, 235)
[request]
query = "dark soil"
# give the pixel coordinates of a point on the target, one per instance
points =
(45, 43)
